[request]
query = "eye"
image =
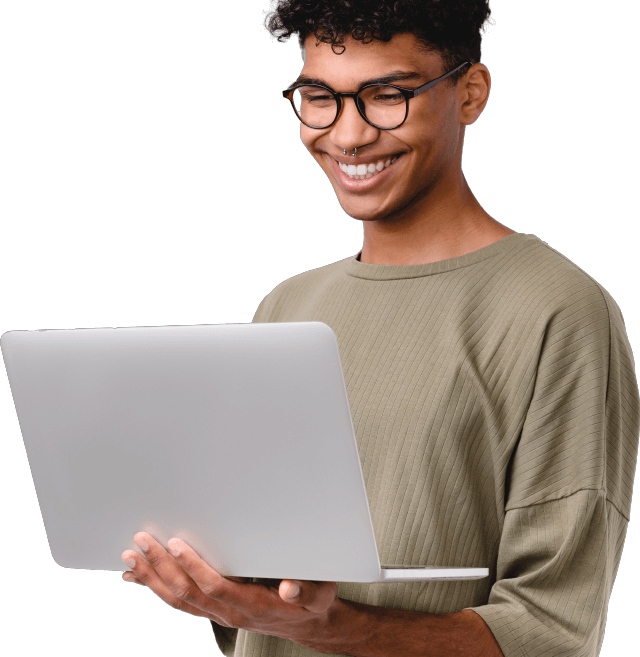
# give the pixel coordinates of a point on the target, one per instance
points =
(381, 95)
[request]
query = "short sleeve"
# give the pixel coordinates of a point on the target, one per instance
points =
(556, 567)
(262, 312)
(226, 638)
(569, 488)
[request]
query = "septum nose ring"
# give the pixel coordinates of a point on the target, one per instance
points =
(355, 150)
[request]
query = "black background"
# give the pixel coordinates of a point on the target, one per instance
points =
(144, 189)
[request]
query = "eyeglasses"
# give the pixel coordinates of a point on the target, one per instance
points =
(383, 106)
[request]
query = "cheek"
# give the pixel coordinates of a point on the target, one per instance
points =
(312, 142)
(309, 137)
(448, 130)
(437, 142)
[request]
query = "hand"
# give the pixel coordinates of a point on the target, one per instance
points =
(185, 582)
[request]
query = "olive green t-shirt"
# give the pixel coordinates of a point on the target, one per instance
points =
(496, 410)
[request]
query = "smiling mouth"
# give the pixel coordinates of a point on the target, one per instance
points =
(363, 171)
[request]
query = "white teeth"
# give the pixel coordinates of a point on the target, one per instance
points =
(363, 171)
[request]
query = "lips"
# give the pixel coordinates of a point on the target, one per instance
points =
(357, 182)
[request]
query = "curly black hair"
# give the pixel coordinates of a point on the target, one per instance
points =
(450, 27)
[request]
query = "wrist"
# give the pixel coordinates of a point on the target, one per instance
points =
(361, 630)
(345, 630)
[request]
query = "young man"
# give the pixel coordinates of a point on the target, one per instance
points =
(491, 382)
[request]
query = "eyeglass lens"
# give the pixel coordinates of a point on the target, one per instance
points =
(383, 106)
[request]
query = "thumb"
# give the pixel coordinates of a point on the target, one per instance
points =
(314, 596)
(290, 590)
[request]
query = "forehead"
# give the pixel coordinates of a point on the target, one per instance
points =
(360, 61)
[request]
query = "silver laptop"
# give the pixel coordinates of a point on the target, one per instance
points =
(236, 438)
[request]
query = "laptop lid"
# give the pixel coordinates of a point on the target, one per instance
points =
(235, 437)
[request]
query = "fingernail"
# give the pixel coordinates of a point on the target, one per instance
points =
(294, 589)
(174, 548)
(142, 544)
(130, 561)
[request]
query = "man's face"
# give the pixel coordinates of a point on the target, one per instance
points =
(427, 145)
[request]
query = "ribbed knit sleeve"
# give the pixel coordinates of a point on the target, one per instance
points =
(556, 566)
(570, 484)
(226, 638)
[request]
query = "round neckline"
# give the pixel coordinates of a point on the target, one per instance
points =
(394, 272)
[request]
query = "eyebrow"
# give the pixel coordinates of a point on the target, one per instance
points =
(394, 76)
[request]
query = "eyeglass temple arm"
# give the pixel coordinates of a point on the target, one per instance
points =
(426, 87)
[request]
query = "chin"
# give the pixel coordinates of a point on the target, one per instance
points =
(363, 214)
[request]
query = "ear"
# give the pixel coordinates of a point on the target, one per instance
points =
(474, 93)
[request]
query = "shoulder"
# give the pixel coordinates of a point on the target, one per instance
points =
(302, 284)
(311, 279)
(544, 285)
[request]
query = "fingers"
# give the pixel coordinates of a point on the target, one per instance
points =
(144, 574)
(183, 581)
(128, 576)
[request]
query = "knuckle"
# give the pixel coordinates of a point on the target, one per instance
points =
(183, 591)
(212, 590)
(179, 605)
(153, 560)
(144, 577)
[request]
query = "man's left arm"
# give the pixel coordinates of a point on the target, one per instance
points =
(569, 488)
(361, 630)
(556, 567)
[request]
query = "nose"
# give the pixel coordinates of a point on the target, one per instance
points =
(350, 130)
(348, 106)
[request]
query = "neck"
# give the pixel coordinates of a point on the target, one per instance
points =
(446, 223)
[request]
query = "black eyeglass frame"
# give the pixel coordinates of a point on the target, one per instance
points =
(407, 93)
